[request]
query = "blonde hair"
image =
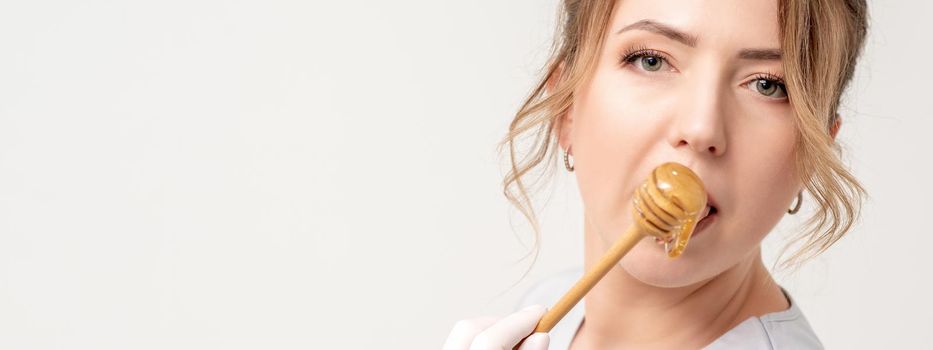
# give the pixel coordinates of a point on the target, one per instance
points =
(821, 40)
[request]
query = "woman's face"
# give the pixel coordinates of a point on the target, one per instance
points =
(696, 82)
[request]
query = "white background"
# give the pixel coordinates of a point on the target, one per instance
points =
(323, 175)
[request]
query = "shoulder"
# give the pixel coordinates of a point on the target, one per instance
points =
(788, 329)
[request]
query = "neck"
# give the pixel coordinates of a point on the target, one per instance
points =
(622, 312)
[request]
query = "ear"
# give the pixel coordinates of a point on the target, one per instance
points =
(564, 123)
(836, 125)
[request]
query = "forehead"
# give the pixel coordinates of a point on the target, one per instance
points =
(730, 23)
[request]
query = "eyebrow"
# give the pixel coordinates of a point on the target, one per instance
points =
(691, 40)
(663, 29)
(760, 54)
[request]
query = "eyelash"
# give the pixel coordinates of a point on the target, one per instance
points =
(773, 78)
(633, 53)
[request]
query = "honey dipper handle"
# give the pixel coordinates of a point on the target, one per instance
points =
(625, 243)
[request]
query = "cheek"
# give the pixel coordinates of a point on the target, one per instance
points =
(763, 180)
(613, 134)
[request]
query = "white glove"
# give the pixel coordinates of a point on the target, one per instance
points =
(490, 333)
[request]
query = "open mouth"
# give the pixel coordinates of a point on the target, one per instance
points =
(710, 210)
(706, 220)
(709, 215)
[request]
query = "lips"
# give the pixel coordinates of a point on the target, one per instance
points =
(709, 213)
(711, 206)
(709, 210)
(706, 212)
(705, 219)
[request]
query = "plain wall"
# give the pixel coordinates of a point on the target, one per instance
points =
(323, 175)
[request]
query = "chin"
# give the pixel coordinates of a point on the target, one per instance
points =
(648, 263)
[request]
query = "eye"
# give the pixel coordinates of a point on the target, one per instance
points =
(650, 63)
(645, 59)
(769, 85)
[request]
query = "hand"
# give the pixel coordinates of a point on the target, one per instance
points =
(490, 333)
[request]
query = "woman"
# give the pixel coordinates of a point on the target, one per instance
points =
(745, 93)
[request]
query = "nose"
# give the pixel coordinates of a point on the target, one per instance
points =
(700, 124)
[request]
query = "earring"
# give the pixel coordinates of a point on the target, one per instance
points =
(797, 206)
(567, 164)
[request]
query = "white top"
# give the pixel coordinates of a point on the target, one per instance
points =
(786, 329)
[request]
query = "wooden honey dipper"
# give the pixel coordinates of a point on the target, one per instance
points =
(670, 200)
